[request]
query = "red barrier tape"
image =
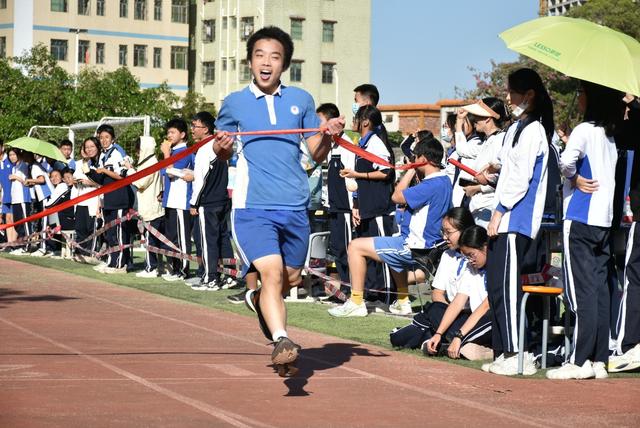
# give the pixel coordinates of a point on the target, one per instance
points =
(463, 167)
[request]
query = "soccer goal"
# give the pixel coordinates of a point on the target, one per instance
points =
(127, 129)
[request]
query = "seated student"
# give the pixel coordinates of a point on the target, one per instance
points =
(61, 193)
(427, 204)
(455, 221)
(466, 319)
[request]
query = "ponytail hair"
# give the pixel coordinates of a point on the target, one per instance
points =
(521, 81)
(373, 115)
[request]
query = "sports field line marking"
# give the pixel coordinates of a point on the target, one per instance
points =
(224, 415)
(520, 418)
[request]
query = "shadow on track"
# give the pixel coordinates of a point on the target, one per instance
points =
(330, 356)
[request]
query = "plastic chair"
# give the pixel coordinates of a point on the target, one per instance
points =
(317, 249)
(546, 292)
(66, 252)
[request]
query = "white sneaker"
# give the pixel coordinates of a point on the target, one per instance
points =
(630, 360)
(571, 371)
(100, 267)
(193, 280)
(486, 367)
(171, 277)
(600, 370)
(401, 308)
(147, 274)
(509, 366)
(212, 286)
(349, 309)
(18, 252)
(113, 270)
(227, 282)
(39, 253)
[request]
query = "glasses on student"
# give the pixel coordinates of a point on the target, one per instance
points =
(447, 233)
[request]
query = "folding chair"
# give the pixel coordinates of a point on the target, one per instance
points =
(317, 251)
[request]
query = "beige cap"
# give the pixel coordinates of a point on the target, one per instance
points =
(481, 109)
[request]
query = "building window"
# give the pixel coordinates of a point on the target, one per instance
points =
(208, 30)
(124, 8)
(139, 55)
(3, 4)
(327, 31)
(225, 20)
(224, 64)
(99, 53)
(59, 49)
(179, 57)
(234, 22)
(157, 57)
(246, 27)
(233, 64)
(122, 55)
(140, 10)
(83, 51)
(209, 72)
(157, 10)
(179, 11)
(58, 5)
(296, 28)
(83, 7)
(295, 71)
(327, 72)
(100, 7)
(3, 47)
(245, 71)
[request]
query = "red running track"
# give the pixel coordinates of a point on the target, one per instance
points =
(76, 352)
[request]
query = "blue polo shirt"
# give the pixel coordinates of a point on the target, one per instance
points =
(269, 173)
(427, 203)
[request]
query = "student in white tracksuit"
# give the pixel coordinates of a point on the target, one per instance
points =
(488, 116)
(590, 153)
(520, 198)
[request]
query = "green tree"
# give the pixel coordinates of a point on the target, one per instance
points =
(621, 15)
(193, 103)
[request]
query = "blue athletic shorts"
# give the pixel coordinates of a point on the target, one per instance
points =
(6, 208)
(393, 251)
(260, 233)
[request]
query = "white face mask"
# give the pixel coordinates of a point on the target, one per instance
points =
(517, 112)
(446, 138)
(354, 108)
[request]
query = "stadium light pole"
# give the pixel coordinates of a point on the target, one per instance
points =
(77, 65)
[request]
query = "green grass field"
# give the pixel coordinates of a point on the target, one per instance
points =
(373, 329)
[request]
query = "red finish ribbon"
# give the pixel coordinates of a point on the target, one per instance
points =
(463, 167)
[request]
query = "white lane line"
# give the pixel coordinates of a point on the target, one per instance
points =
(224, 415)
(519, 418)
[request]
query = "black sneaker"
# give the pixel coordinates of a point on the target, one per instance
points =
(284, 355)
(238, 298)
(252, 300)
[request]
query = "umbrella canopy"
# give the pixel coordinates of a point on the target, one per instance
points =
(38, 147)
(580, 49)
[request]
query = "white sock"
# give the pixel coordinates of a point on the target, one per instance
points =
(278, 334)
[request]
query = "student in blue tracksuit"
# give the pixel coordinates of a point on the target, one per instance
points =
(66, 148)
(520, 198)
(20, 193)
(111, 168)
(271, 193)
(176, 196)
(6, 167)
(373, 212)
(340, 195)
(590, 153)
(210, 203)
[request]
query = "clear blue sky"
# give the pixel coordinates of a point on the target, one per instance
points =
(421, 49)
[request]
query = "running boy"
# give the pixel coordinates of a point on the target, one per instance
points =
(269, 218)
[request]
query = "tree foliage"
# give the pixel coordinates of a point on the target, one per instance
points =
(621, 15)
(35, 90)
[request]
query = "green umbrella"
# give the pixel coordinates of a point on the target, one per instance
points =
(580, 49)
(38, 147)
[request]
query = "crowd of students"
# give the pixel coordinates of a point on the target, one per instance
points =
(476, 234)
